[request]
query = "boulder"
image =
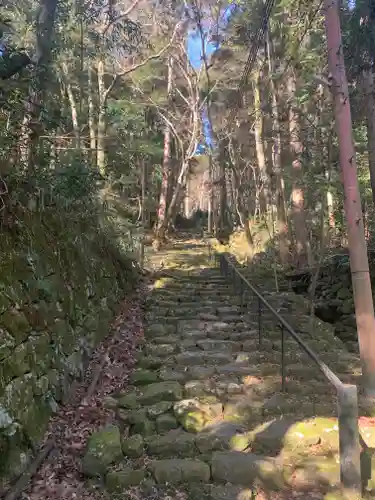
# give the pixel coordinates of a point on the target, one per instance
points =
(162, 391)
(244, 468)
(120, 480)
(194, 416)
(165, 423)
(176, 471)
(133, 446)
(103, 449)
(173, 443)
(143, 377)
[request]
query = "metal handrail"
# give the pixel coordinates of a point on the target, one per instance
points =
(329, 374)
(347, 394)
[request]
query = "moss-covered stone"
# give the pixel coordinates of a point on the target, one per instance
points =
(34, 419)
(176, 471)
(244, 468)
(15, 322)
(133, 446)
(155, 350)
(159, 408)
(165, 423)
(143, 377)
(129, 401)
(7, 343)
(103, 449)
(120, 480)
(162, 391)
(173, 443)
(194, 416)
(40, 352)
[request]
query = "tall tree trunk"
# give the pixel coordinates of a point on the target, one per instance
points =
(282, 229)
(166, 169)
(101, 157)
(172, 207)
(73, 104)
(259, 144)
(303, 256)
(364, 307)
(31, 127)
(370, 110)
(91, 116)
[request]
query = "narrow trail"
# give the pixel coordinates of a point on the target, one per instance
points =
(60, 475)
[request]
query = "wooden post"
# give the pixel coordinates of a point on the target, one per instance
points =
(350, 466)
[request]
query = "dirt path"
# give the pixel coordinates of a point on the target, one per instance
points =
(60, 475)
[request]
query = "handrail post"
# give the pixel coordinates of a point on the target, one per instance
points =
(259, 321)
(350, 466)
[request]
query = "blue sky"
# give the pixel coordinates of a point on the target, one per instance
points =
(195, 55)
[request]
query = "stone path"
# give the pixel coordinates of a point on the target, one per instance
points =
(205, 411)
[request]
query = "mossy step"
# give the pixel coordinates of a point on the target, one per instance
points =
(245, 469)
(179, 471)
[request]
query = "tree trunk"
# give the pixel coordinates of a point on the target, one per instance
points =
(282, 230)
(91, 116)
(259, 145)
(166, 169)
(102, 121)
(303, 256)
(73, 105)
(370, 110)
(364, 307)
(172, 207)
(31, 126)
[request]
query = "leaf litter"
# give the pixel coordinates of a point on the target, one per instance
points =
(60, 477)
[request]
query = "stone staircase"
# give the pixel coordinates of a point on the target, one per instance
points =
(204, 413)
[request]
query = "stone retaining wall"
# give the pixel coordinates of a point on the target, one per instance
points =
(59, 286)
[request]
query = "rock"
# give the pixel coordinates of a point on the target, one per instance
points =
(159, 408)
(150, 362)
(224, 436)
(160, 349)
(223, 346)
(121, 480)
(197, 388)
(201, 372)
(165, 423)
(158, 330)
(173, 443)
(194, 416)
(190, 358)
(230, 493)
(178, 471)
(140, 423)
(129, 401)
(110, 402)
(169, 339)
(143, 377)
(167, 391)
(103, 449)
(243, 468)
(242, 409)
(15, 322)
(208, 317)
(217, 358)
(133, 446)
(170, 374)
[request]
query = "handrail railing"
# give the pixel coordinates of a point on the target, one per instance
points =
(347, 394)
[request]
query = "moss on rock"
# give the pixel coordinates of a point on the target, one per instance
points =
(103, 449)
